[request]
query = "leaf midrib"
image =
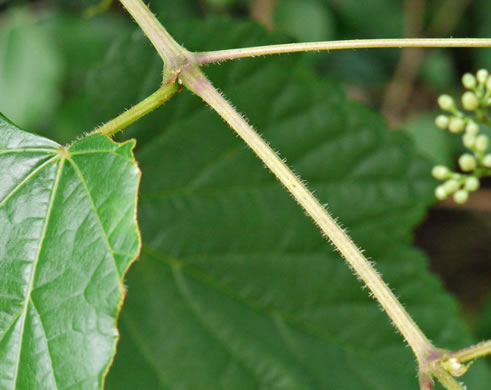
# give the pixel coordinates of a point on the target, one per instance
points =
(28, 299)
(27, 150)
(176, 267)
(99, 221)
(24, 181)
(36, 262)
(4, 202)
(219, 287)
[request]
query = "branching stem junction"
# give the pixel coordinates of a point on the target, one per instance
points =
(183, 67)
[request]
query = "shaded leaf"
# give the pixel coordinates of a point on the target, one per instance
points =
(439, 147)
(236, 288)
(177, 10)
(483, 13)
(374, 18)
(483, 326)
(68, 234)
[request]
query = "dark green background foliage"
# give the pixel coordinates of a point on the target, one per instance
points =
(235, 288)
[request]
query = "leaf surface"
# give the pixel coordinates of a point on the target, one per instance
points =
(68, 234)
(236, 288)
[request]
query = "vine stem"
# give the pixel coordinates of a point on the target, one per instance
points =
(473, 352)
(201, 86)
(192, 78)
(174, 55)
(210, 57)
(183, 66)
(141, 109)
(446, 379)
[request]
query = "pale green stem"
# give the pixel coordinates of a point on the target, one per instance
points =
(447, 380)
(173, 54)
(473, 352)
(233, 54)
(425, 382)
(156, 99)
(199, 84)
(183, 64)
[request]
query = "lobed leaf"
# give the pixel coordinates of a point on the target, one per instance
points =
(68, 234)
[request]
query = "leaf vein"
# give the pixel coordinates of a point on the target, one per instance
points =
(185, 294)
(25, 181)
(250, 303)
(27, 150)
(33, 273)
(94, 151)
(94, 209)
(158, 371)
(47, 343)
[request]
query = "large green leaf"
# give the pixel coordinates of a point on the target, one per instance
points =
(236, 289)
(68, 234)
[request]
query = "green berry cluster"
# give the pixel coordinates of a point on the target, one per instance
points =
(477, 163)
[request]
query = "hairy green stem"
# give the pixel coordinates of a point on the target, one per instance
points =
(185, 65)
(425, 382)
(156, 99)
(233, 54)
(473, 352)
(201, 86)
(173, 54)
(447, 380)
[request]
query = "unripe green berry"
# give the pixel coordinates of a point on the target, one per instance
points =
(468, 80)
(470, 102)
(482, 143)
(467, 162)
(451, 186)
(472, 128)
(486, 161)
(440, 172)
(461, 196)
(446, 102)
(440, 193)
(441, 121)
(456, 125)
(472, 184)
(482, 75)
(488, 84)
(469, 140)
